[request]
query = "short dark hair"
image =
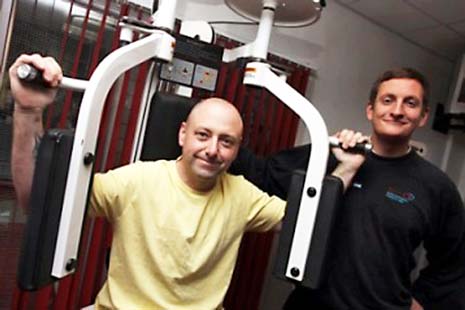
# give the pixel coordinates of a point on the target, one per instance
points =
(401, 73)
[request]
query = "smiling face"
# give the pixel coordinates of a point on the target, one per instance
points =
(210, 140)
(397, 111)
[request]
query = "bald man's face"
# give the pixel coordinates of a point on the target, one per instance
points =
(210, 140)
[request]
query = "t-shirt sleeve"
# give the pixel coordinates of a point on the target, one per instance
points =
(111, 191)
(442, 282)
(264, 211)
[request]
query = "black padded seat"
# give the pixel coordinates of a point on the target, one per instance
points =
(167, 112)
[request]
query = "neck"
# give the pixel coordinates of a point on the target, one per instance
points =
(387, 148)
(196, 183)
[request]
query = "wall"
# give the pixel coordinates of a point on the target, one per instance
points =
(454, 159)
(348, 52)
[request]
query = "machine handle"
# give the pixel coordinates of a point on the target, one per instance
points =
(30, 74)
(363, 147)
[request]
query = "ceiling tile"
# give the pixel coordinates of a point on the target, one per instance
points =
(459, 27)
(440, 40)
(447, 11)
(437, 25)
(392, 14)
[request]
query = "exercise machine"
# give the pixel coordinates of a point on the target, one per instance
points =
(305, 238)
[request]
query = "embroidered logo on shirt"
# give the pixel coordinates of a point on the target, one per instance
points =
(399, 197)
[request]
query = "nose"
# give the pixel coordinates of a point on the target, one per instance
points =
(398, 108)
(212, 148)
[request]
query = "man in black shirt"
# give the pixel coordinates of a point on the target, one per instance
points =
(395, 202)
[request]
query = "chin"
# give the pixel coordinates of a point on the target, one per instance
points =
(208, 174)
(394, 137)
(394, 132)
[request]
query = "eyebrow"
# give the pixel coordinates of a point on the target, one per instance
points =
(226, 136)
(395, 96)
(386, 95)
(222, 136)
(413, 97)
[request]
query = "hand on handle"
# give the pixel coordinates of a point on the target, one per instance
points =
(30, 96)
(350, 152)
(359, 147)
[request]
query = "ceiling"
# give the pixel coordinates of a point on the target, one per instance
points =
(436, 25)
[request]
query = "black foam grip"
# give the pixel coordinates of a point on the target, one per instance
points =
(358, 148)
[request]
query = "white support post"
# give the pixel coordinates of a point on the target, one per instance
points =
(260, 74)
(164, 17)
(259, 47)
(159, 45)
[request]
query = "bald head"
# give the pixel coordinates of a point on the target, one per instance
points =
(217, 109)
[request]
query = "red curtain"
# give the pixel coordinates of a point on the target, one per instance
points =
(269, 127)
(80, 288)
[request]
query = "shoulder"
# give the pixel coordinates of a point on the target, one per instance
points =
(438, 183)
(231, 180)
(143, 165)
(430, 173)
(137, 170)
(239, 184)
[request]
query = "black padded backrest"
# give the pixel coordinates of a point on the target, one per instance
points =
(167, 112)
(45, 207)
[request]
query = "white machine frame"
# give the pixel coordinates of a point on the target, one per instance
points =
(160, 44)
(259, 73)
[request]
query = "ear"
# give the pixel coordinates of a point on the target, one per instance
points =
(369, 111)
(182, 134)
(424, 117)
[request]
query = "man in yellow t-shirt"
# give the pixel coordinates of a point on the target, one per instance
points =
(177, 224)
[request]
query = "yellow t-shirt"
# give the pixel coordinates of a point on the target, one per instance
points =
(173, 247)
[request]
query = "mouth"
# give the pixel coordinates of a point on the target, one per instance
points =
(209, 163)
(395, 122)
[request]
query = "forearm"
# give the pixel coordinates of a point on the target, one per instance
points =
(27, 118)
(27, 132)
(346, 173)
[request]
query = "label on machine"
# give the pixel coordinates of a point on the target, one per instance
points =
(195, 64)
